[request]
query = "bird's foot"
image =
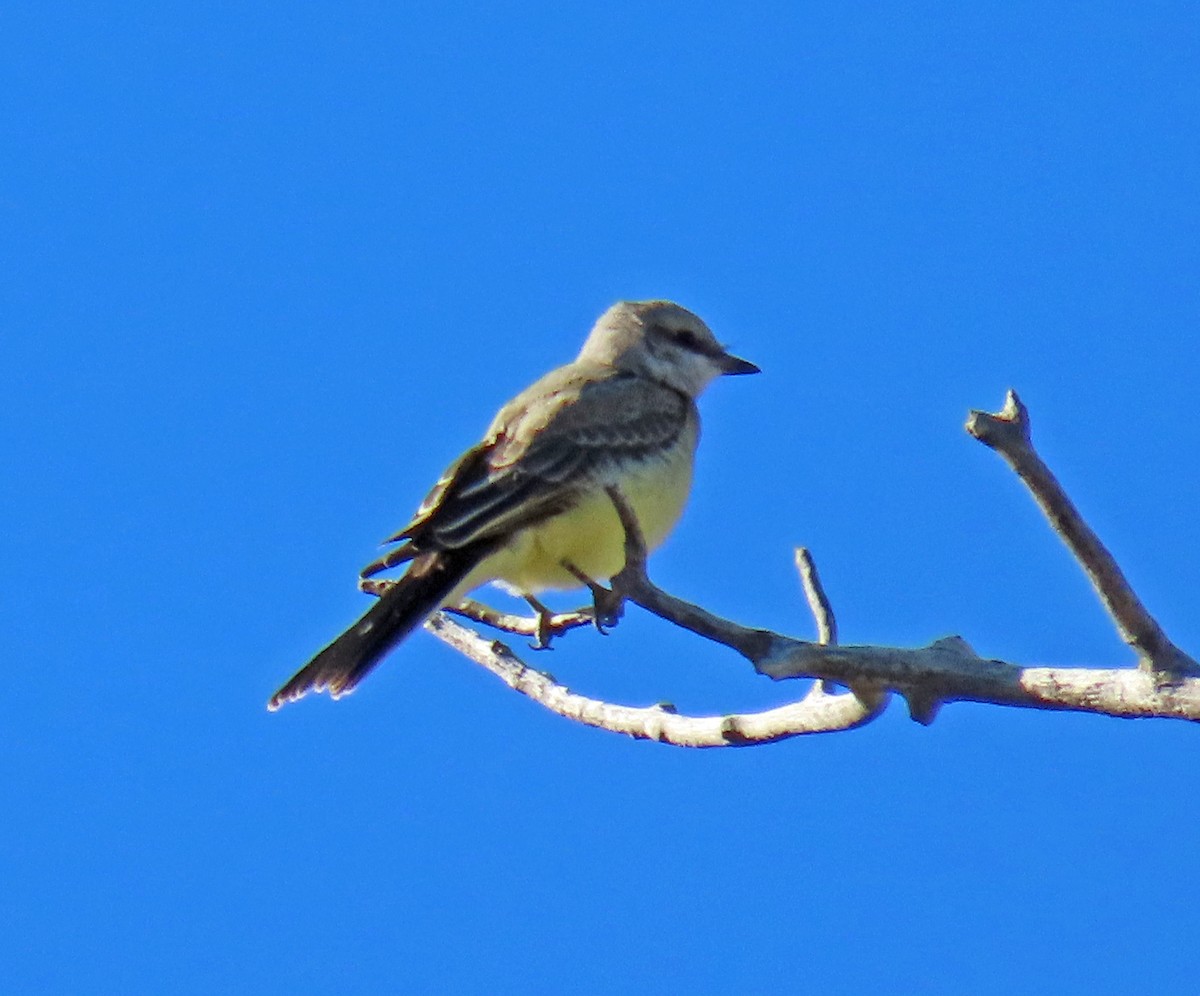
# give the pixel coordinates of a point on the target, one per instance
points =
(608, 604)
(544, 625)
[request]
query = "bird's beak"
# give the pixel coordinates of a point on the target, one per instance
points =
(731, 364)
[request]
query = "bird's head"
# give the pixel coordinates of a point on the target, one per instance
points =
(661, 341)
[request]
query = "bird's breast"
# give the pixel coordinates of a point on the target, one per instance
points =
(589, 535)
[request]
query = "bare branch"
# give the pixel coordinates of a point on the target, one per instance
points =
(820, 711)
(756, 645)
(948, 670)
(818, 601)
(929, 677)
(540, 627)
(555, 624)
(635, 542)
(816, 713)
(818, 604)
(1008, 433)
(633, 584)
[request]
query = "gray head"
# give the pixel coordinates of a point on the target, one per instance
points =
(661, 341)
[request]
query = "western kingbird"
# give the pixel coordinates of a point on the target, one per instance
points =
(527, 507)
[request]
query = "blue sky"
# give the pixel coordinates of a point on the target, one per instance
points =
(268, 270)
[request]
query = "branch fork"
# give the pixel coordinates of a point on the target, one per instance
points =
(1008, 433)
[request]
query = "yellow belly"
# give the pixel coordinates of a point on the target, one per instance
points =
(590, 535)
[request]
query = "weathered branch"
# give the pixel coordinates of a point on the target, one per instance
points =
(818, 601)
(818, 712)
(1008, 433)
(540, 628)
(948, 670)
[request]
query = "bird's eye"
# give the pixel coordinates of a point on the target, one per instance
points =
(687, 338)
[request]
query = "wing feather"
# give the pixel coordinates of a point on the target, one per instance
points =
(545, 448)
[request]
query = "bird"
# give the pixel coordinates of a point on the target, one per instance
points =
(527, 508)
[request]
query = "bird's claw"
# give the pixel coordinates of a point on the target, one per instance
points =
(544, 631)
(608, 604)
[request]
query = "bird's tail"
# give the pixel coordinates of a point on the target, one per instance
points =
(401, 609)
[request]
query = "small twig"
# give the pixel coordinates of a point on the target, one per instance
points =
(818, 601)
(633, 584)
(818, 604)
(635, 542)
(1008, 433)
(556, 624)
(374, 586)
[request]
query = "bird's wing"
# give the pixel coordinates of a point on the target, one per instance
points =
(542, 451)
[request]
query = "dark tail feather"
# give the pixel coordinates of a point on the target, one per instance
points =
(400, 610)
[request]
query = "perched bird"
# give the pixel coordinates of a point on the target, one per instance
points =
(527, 507)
